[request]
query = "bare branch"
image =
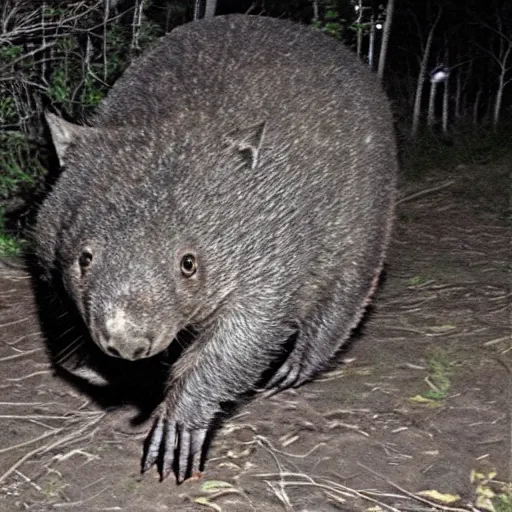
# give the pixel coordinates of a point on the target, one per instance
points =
(137, 23)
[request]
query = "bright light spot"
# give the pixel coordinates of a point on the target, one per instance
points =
(379, 26)
(356, 8)
(439, 74)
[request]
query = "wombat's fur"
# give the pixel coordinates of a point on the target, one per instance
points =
(238, 181)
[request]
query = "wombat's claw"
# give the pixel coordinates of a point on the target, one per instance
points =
(190, 451)
(287, 376)
(153, 448)
(171, 444)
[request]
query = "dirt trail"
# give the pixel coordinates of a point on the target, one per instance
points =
(423, 398)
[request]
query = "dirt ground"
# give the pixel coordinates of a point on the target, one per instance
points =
(420, 402)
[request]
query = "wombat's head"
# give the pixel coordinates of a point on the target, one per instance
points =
(111, 238)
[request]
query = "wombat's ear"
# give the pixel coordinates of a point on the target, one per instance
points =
(248, 141)
(63, 134)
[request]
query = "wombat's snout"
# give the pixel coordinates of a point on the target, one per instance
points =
(121, 337)
(125, 348)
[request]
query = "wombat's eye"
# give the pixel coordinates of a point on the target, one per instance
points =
(85, 259)
(188, 265)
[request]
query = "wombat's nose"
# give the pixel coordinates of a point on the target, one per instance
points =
(121, 337)
(128, 351)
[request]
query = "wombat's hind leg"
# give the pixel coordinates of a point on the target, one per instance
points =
(318, 340)
(315, 345)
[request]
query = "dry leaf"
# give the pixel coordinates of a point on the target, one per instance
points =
(439, 496)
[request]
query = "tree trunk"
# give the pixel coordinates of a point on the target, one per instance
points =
(316, 12)
(168, 10)
(421, 78)
(386, 31)
(371, 46)
(106, 14)
(501, 58)
(445, 105)
(210, 9)
(136, 25)
(476, 106)
(458, 95)
(359, 35)
(498, 101)
(431, 117)
(501, 85)
(198, 9)
(204, 9)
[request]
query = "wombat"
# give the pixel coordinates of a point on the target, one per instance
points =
(237, 182)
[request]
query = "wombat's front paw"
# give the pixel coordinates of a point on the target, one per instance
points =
(172, 444)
